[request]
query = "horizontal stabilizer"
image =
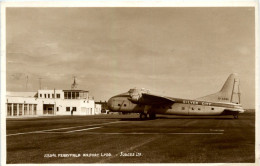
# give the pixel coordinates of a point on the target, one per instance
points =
(231, 111)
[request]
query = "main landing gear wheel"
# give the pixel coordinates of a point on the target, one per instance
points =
(152, 116)
(235, 116)
(143, 116)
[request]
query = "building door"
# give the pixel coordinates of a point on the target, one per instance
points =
(48, 109)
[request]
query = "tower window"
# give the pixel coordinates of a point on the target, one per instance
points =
(65, 95)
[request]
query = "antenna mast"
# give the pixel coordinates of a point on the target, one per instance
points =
(74, 84)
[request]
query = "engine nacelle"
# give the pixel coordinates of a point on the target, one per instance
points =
(136, 94)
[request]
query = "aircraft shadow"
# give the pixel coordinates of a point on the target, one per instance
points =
(177, 118)
(220, 118)
(133, 119)
(161, 117)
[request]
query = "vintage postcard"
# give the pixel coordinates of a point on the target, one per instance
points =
(129, 82)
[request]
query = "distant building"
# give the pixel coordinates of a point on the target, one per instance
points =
(104, 107)
(51, 102)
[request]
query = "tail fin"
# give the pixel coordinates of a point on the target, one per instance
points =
(229, 92)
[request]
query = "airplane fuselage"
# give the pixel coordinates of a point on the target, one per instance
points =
(224, 102)
(121, 103)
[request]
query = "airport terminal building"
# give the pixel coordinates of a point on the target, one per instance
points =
(50, 102)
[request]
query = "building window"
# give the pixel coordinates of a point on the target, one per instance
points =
(74, 109)
(77, 95)
(65, 95)
(30, 109)
(57, 109)
(73, 95)
(40, 95)
(212, 108)
(15, 109)
(198, 108)
(25, 109)
(69, 95)
(119, 104)
(49, 96)
(52, 95)
(67, 108)
(34, 109)
(58, 95)
(45, 96)
(20, 109)
(9, 109)
(125, 105)
(183, 108)
(192, 108)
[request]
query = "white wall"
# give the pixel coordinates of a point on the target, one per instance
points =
(83, 106)
(97, 108)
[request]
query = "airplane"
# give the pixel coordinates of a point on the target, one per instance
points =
(224, 102)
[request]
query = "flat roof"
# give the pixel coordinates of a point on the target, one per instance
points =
(20, 94)
(75, 91)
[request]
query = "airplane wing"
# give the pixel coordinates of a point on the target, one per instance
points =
(150, 99)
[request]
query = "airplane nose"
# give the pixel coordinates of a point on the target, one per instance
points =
(109, 104)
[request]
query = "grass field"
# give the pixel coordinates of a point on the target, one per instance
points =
(168, 139)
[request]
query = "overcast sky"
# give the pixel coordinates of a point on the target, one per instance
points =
(177, 52)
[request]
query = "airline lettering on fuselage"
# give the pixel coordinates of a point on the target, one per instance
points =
(195, 102)
(205, 103)
(190, 102)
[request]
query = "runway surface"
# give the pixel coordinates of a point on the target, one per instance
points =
(126, 139)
